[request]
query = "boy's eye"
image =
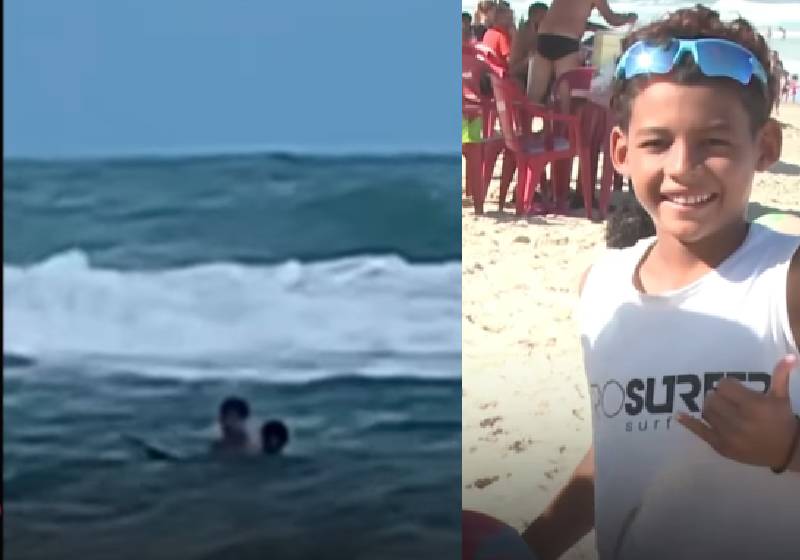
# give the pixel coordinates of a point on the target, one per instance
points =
(652, 143)
(717, 142)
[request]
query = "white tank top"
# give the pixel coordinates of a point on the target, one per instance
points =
(660, 491)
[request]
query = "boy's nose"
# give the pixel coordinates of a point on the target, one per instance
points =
(681, 159)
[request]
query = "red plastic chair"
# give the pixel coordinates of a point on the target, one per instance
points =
(577, 78)
(590, 118)
(481, 156)
(596, 122)
(609, 178)
(533, 151)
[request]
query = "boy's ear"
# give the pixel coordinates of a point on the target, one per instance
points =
(770, 143)
(619, 151)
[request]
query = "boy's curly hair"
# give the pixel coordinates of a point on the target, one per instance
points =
(695, 23)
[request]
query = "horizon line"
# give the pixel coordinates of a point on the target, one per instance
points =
(228, 152)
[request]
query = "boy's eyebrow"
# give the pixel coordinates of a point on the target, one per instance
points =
(653, 131)
(713, 126)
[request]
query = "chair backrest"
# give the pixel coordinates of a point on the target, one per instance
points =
(472, 68)
(477, 99)
(516, 113)
(487, 54)
(509, 100)
(577, 78)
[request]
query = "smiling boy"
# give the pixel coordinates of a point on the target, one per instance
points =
(690, 338)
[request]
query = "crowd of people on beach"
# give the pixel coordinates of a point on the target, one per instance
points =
(550, 36)
(787, 82)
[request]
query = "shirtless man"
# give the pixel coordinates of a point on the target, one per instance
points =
(524, 43)
(558, 45)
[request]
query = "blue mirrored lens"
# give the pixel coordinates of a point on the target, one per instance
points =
(650, 59)
(722, 59)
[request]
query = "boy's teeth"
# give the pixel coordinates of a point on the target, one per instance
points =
(689, 200)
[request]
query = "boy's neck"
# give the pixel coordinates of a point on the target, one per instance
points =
(672, 264)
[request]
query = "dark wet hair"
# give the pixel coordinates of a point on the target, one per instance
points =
(695, 23)
(627, 224)
(274, 429)
(537, 6)
(466, 16)
(234, 405)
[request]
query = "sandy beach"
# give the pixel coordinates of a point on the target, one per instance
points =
(526, 415)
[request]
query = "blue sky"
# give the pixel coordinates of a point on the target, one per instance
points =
(109, 77)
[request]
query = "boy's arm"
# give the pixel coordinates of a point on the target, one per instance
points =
(569, 516)
(612, 17)
(793, 297)
(793, 306)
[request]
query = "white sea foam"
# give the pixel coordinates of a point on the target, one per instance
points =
(375, 316)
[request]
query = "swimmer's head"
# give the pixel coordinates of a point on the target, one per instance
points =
(274, 437)
(233, 414)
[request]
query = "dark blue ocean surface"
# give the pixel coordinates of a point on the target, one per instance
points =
(249, 209)
(139, 293)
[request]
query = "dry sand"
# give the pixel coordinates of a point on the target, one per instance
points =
(526, 416)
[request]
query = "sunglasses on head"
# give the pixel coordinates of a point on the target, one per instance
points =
(715, 58)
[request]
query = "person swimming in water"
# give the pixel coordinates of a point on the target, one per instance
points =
(233, 415)
(274, 437)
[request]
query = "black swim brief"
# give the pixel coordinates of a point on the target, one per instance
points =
(554, 47)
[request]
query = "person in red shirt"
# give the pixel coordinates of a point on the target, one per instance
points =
(484, 18)
(498, 37)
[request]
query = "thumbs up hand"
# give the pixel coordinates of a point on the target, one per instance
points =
(747, 426)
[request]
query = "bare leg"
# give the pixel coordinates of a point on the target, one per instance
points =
(562, 184)
(563, 65)
(542, 73)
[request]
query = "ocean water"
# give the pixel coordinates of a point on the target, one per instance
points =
(139, 293)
